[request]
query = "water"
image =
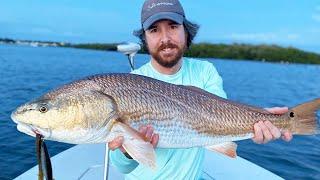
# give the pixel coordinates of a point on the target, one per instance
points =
(27, 72)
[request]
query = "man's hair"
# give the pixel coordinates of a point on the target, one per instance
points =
(190, 28)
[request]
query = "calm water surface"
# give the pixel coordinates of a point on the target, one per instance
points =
(28, 72)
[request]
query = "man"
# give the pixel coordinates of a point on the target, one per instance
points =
(167, 34)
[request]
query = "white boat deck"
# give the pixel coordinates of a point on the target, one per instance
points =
(86, 162)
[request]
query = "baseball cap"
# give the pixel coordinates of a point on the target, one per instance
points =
(155, 10)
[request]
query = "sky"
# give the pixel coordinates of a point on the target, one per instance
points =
(283, 22)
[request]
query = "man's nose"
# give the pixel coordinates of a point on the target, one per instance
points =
(165, 36)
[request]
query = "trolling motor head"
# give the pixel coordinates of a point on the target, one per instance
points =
(129, 49)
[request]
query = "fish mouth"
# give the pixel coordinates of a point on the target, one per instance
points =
(30, 129)
(33, 131)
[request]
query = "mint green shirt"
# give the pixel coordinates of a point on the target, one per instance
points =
(174, 163)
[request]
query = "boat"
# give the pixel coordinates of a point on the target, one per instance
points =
(90, 161)
(86, 162)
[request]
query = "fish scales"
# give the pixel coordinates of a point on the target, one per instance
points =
(152, 102)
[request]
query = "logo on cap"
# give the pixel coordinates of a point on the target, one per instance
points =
(159, 4)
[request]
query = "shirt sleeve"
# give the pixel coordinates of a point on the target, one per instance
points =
(214, 82)
(121, 162)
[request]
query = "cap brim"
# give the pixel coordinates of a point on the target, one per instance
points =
(178, 18)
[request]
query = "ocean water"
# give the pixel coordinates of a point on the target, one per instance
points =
(27, 72)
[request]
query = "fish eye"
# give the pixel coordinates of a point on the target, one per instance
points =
(291, 114)
(43, 109)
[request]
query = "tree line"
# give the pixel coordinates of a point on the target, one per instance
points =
(268, 53)
(263, 52)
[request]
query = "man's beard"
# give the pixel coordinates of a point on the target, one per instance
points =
(170, 61)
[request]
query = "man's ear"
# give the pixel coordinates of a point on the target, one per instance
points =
(186, 35)
(145, 43)
(186, 40)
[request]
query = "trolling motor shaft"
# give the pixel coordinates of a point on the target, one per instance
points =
(129, 49)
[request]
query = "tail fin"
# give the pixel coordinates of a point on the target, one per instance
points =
(304, 118)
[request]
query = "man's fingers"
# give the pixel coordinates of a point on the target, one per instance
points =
(155, 139)
(143, 130)
(286, 136)
(146, 131)
(266, 131)
(116, 143)
(267, 136)
(149, 132)
(275, 132)
(258, 136)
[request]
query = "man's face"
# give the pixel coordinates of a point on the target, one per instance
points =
(166, 42)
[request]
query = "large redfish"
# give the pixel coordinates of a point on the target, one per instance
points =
(99, 108)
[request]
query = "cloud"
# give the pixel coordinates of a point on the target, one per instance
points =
(316, 17)
(72, 34)
(293, 36)
(264, 37)
(253, 36)
(41, 30)
(314, 30)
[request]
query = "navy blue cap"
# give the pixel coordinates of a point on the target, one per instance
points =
(155, 10)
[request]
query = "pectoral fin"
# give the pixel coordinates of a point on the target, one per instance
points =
(227, 148)
(135, 145)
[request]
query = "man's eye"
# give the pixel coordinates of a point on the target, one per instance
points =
(174, 26)
(153, 30)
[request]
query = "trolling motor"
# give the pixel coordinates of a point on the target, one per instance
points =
(130, 49)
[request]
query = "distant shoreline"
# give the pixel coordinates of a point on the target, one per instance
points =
(265, 53)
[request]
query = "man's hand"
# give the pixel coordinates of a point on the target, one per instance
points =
(266, 131)
(146, 131)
